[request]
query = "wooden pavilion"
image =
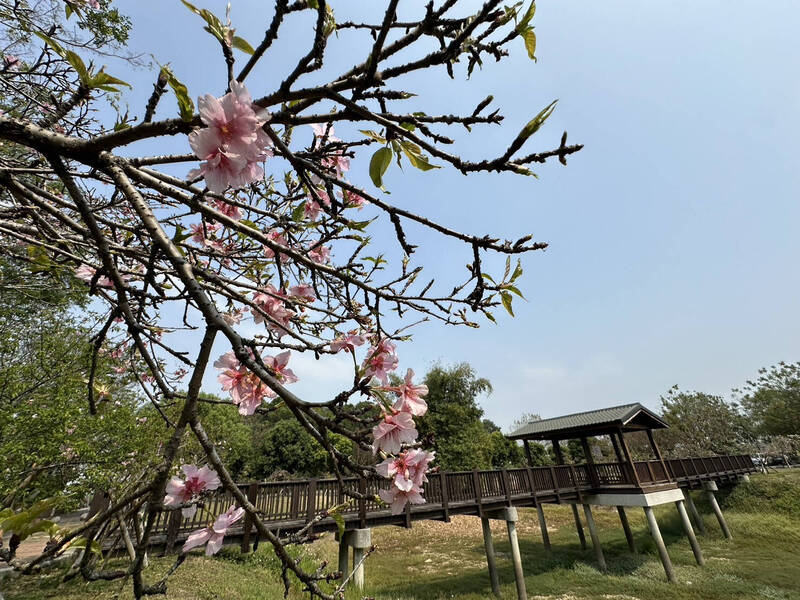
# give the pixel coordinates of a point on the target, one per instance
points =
(624, 483)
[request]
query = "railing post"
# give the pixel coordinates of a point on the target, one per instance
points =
(476, 481)
(506, 486)
(362, 503)
(445, 495)
(555, 484)
(294, 506)
(252, 494)
(311, 502)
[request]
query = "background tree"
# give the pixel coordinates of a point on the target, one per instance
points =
(773, 400)
(50, 444)
(462, 439)
(701, 424)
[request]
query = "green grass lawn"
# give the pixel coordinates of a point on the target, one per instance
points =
(446, 560)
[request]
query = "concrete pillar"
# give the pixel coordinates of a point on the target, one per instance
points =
(359, 540)
(710, 487)
(578, 525)
(662, 549)
(543, 527)
(358, 567)
(687, 526)
(698, 519)
(489, 547)
(516, 557)
(598, 550)
(744, 478)
(626, 527)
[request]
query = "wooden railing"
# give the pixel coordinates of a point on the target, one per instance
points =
(290, 504)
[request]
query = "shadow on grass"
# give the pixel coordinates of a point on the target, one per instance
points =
(535, 562)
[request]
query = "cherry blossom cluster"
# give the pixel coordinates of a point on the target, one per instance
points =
(184, 491)
(233, 143)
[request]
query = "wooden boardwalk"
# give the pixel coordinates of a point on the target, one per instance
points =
(289, 505)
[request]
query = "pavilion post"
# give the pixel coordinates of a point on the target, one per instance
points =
(657, 453)
(662, 549)
(543, 526)
(698, 519)
(528, 452)
(687, 526)
(598, 550)
(590, 462)
(578, 525)
(488, 545)
(626, 527)
(634, 476)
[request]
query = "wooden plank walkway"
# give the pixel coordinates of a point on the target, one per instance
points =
(288, 505)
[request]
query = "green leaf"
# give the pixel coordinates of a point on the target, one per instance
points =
(527, 18)
(299, 212)
(180, 235)
(53, 44)
(185, 104)
(339, 521)
(81, 543)
(371, 134)
(242, 44)
(378, 165)
(508, 268)
(513, 289)
(249, 224)
(506, 299)
(530, 43)
(106, 82)
(490, 316)
(536, 123)
(517, 271)
(415, 156)
(215, 26)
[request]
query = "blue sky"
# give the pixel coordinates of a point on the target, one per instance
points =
(673, 234)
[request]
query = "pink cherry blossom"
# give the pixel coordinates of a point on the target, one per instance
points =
(303, 292)
(232, 317)
(408, 469)
(227, 209)
(180, 491)
(410, 396)
(348, 342)
(200, 231)
(271, 304)
(86, 273)
(353, 200)
(278, 238)
(233, 141)
(380, 360)
(214, 534)
(320, 254)
(311, 210)
(246, 389)
(278, 365)
(396, 429)
(397, 498)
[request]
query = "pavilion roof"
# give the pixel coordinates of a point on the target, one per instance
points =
(628, 417)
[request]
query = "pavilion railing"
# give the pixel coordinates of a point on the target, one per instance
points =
(297, 501)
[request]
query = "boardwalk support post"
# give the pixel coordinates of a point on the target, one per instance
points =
(543, 526)
(510, 516)
(598, 550)
(359, 540)
(578, 525)
(490, 562)
(511, 522)
(662, 549)
(687, 526)
(698, 519)
(626, 527)
(710, 487)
